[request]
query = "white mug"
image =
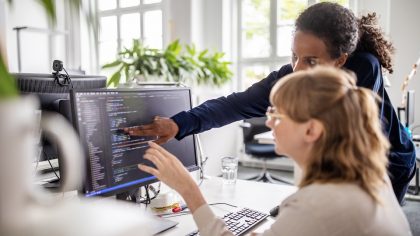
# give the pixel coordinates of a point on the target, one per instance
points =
(19, 135)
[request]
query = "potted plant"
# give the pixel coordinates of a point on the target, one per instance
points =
(173, 64)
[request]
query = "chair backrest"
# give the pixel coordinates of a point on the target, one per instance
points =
(254, 126)
(250, 128)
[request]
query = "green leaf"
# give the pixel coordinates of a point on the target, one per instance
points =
(49, 7)
(112, 64)
(127, 73)
(202, 54)
(114, 80)
(173, 64)
(191, 49)
(8, 86)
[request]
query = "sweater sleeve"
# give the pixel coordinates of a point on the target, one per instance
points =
(208, 223)
(295, 219)
(218, 112)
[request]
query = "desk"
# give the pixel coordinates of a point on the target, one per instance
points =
(255, 195)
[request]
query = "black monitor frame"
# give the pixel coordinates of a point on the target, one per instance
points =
(54, 97)
(140, 182)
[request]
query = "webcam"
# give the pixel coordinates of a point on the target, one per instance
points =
(61, 79)
(57, 65)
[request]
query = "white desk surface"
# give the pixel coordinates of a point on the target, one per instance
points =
(255, 195)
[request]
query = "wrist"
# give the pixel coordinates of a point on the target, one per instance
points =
(194, 198)
(174, 127)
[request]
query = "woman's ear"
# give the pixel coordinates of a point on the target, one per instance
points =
(314, 131)
(341, 60)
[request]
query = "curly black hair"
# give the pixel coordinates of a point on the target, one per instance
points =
(342, 32)
(373, 40)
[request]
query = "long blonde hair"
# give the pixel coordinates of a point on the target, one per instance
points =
(352, 147)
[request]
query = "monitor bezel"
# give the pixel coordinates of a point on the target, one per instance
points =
(87, 168)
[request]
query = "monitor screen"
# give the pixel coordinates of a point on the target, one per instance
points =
(112, 155)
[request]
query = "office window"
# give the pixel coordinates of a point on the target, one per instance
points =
(121, 21)
(265, 35)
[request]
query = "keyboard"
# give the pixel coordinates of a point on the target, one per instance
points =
(240, 222)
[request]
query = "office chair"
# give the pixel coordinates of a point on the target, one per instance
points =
(251, 127)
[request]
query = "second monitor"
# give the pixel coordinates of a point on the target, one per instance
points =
(112, 155)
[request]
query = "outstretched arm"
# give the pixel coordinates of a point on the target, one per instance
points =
(218, 112)
(214, 113)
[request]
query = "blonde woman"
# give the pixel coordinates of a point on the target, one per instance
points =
(330, 127)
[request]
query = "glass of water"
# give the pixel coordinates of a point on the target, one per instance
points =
(229, 169)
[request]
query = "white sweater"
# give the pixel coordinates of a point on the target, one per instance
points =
(325, 209)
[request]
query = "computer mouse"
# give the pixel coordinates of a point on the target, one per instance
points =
(274, 211)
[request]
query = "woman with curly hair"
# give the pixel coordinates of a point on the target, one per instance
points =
(325, 34)
(330, 127)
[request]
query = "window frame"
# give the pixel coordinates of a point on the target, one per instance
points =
(273, 61)
(141, 9)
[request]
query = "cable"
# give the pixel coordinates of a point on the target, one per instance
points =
(169, 215)
(52, 167)
(202, 162)
(68, 79)
(222, 203)
(147, 199)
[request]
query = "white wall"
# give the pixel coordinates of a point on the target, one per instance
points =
(36, 47)
(399, 19)
(405, 33)
(204, 23)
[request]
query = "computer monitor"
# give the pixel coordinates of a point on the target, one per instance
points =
(54, 97)
(112, 155)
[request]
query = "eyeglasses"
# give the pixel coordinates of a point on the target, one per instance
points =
(273, 114)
